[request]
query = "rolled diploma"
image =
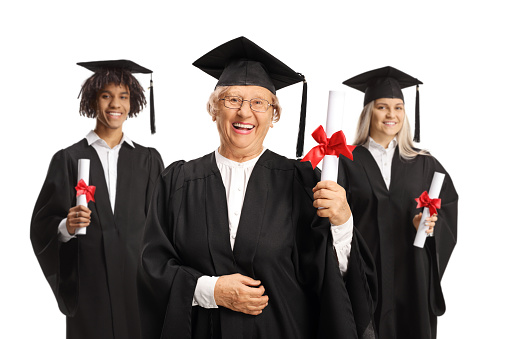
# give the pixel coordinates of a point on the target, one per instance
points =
(83, 173)
(334, 120)
(434, 191)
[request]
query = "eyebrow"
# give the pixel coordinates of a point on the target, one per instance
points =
(106, 91)
(256, 96)
(384, 103)
(233, 94)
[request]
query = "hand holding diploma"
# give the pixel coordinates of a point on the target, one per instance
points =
(330, 198)
(429, 222)
(79, 217)
(430, 203)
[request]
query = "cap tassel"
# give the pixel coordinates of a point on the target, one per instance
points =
(152, 110)
(417, 132)
(302, 123)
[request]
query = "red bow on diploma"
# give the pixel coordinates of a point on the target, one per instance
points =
(335, 145)
(425, 201)
(82, 188)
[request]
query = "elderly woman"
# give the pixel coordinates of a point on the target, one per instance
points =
(233, 245)
(381, 184)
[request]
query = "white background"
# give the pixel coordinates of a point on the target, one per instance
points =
(457, 48)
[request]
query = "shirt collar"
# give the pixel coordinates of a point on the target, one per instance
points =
(92, 137)
(230, 163)
(372, 144)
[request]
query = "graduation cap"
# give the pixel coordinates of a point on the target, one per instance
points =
(387, 82)
(96, 66)
(240, 62)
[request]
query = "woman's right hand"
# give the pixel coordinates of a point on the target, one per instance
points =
(78, 216)
(240, 293)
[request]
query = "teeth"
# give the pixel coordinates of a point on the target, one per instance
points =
(239, 125)
(390, 123)
(115, 114)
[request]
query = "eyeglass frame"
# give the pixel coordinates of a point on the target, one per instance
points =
(242, 103)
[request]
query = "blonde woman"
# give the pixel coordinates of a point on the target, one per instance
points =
(382, 182)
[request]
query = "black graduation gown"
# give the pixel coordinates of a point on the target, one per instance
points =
(280, 241)
(93, 276)
(410, 295)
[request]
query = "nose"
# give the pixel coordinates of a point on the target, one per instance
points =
(390, 112)
(245, 110)
(115, 102)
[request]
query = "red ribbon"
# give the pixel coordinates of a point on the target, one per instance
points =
(335, 145)
(425, 201)
(82, 188)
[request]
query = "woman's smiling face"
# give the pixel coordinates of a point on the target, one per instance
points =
(242, 130)
(386, 120)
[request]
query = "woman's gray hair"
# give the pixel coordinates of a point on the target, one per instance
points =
(213, 108)
(405, 144)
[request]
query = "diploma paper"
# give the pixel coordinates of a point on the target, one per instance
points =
(83, 173)
(434, 191)
(334, 120)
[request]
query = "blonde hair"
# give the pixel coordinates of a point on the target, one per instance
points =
(406, 147)
(213, 108)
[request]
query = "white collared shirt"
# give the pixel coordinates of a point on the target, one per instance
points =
(109, 160)
(235, 177)
(383, 157)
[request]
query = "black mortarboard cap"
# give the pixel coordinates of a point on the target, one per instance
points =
(240, 62)
(131, 66)
(387, 82)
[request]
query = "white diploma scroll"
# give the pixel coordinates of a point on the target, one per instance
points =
(83, 173)
(434, 191)
(334, 121)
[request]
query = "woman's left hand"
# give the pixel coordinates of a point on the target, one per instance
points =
(430, 222)
(330, 199)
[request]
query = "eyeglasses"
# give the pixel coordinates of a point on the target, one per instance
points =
(257, 105)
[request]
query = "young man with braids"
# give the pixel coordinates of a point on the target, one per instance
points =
(93, 276)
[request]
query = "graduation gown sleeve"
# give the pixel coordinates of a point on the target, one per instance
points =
(439, 247)
(156, 167)
(165, 286)
(59, 261)
(343, 300)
